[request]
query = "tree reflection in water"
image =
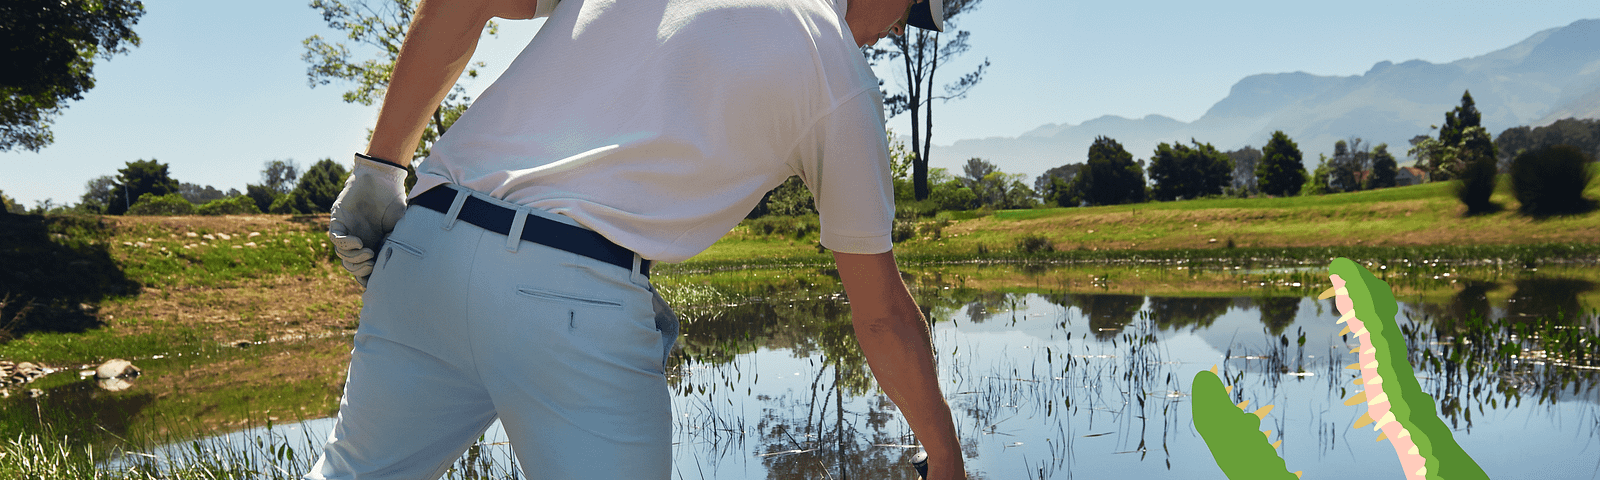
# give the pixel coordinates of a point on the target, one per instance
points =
(1052, 385)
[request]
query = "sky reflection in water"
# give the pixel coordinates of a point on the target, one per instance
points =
(1092, 386)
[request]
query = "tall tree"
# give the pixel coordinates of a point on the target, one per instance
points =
(47, 50)
(280, 175)
(1180, 171)
(1445, 157)
(1063, 173)
(1384, 168)
(138, 178)
(97, 194)
(199, 195)
(321, 184)
(379, 24)
(986, 181)
(921, 52)
(1110, 177)
(1244, 168)
(1346, 167)
(1281, 172)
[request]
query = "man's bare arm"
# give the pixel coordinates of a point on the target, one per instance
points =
(436, 50)
(895, 339)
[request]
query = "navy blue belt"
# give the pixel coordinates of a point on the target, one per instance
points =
(540, 230)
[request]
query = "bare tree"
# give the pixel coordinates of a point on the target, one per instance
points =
(921, 52)
(280, 175)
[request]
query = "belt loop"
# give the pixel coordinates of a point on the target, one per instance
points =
(637, 274)
(514, 236)
(455, 208)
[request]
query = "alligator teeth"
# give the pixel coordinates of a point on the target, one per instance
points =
(1357, 398)
(1362, 331)
(1370, 351)
(1276, 444)
(1267, 434)
(1388, 418)
(1353, 366)
(1327, 294)
(1376, 379)
(1405, 433)
(1413, 450)
(1381, 437)
(1347, 317)
(1262, 412)
(1213, 369)
(1363, 421)
(1243, 404)
(1229, 388)
(1380, 398)
(1358, 381)
(1346, 330)
(1371, 364)
(1298, 473)
(1422, 471)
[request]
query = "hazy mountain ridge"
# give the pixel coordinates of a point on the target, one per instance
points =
(1553, 74)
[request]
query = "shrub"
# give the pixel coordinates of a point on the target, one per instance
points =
(1551, 180)
(950, 197)
(1034, 244)
(297, 202)
(904, 230)
(1477, 184)
(169, 204)
(240, 205)
(796, 228)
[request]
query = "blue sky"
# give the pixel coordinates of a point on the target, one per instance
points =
(218, 87)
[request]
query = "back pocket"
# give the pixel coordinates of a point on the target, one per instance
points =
(567, 298)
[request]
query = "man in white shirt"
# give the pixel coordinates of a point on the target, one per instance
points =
(628, 131)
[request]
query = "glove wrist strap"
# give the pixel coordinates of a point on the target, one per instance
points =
(379, 160)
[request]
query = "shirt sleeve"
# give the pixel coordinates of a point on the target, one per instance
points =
(543, 8)
(844, 161)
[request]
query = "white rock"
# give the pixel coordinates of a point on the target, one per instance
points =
(224, 236)
(191, 234)
(255, 234)
(250, 244)
(116, 367)
(210, 237)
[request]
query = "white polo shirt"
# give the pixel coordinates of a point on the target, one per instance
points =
(661, 123)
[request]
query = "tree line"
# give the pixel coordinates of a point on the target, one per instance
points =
(146, 187)
(1547, 179)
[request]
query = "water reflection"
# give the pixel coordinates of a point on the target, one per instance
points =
(1046, 382)
(1054, 385)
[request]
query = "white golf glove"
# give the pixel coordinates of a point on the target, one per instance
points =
(373, 200)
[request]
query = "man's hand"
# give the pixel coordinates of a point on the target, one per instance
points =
(373, 200)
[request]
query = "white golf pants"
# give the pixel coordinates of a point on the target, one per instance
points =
(460, 326)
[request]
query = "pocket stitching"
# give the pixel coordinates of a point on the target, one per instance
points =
(551, 295)
(408, 248)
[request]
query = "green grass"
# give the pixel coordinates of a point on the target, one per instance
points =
(155, 256)
(1421, 220)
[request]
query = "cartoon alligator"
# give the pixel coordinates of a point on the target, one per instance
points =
(1395, 402)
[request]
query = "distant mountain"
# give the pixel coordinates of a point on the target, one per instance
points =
(1554, 74)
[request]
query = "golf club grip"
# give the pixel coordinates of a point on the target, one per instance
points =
(920, 462)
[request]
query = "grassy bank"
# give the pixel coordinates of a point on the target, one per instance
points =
(1422, 221)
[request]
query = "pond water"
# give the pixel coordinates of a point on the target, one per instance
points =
(1072, 373)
